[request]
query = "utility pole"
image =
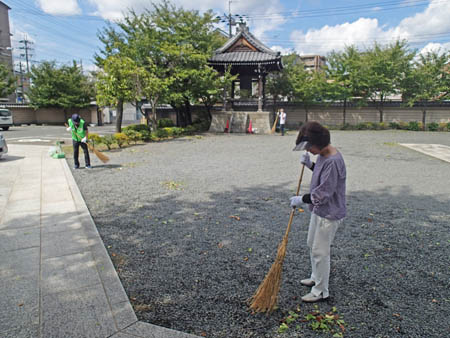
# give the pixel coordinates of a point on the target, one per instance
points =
(229, 18)
(26, 47)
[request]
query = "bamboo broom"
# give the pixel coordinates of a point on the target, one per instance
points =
(274, 124)
(266, 296)
(102, 157)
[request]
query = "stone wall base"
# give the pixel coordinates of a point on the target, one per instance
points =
(240, 121)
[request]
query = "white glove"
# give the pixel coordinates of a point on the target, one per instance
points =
(304, 159)
(296, 201)
(68, 128)
(84, 140)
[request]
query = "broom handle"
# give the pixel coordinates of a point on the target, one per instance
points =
(291, 216)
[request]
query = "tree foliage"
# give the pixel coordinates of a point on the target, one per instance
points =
(7, 81)
(170, 47)
(117, 83)
(62, 87)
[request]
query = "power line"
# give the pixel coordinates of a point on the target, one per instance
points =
(343, 10)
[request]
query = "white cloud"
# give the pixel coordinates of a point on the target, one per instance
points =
(115, 9)
(282, 50)
(58, 7)
(435, 47)
(420, 28)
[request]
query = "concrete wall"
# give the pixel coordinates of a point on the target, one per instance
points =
(333, 115)
(28, 115)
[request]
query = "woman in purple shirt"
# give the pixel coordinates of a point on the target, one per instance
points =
(326, 201)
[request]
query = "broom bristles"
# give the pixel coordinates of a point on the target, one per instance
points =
(266, 296)
(100, 155)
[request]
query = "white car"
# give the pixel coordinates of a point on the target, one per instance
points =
(6, 119)
(3, 146)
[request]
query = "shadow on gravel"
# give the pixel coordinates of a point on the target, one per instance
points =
(187, 265)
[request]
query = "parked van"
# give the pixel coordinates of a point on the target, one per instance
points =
(6, 119)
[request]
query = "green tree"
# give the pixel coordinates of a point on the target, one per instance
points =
(345, 77)
(117, 83)
(170, 43)
(278, 85)
(385, 69)
(7, 81)
(62, 87)
(429, 80)
(210, 86)
(306, 86)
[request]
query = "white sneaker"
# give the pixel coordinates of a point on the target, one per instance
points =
(312, 298)
(307, 282)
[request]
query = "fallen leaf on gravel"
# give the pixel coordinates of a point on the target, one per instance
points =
(203, 334)
(220, 245)
(250, 250)
(434, 301)
(369, 220)
(113, 254)
(21, 304)
(142, 252)
(301, 210)
(133, 298)
(396, 315)
(246, 259)
(237, 218)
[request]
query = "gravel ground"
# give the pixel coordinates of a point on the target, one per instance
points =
(163, 211)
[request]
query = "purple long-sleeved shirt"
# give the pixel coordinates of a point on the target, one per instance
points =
(328, 187)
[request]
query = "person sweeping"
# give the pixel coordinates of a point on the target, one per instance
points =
(326, 201)
(80, 132)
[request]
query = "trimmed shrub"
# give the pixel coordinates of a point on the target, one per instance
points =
(108, 141)
(190, 130)
(94, 138)
(403, 125)
(120, 138)
(169, 131)
(133, 135)
(136, 127)
(383, 126)
(177, 131)
(394, 125)
(360, 126)
(146, 136)
(433, 126)
(414, 126)
(165, 123)
(160, 133)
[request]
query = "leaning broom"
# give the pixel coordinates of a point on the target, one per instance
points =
(266, 296)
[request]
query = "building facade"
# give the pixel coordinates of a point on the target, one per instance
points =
(5, 43)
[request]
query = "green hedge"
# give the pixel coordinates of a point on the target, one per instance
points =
(412, 125)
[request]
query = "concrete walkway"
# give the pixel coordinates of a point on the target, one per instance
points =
(56, 278)
(436, 150)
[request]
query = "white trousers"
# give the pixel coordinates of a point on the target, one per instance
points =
(320, 236)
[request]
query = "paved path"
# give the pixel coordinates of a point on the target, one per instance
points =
(56, 278)
(436, 150)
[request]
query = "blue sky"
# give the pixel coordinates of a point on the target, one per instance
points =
(64, 30)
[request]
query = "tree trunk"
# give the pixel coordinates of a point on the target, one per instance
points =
(99, 117)
(306, 112)
(154, 119)
(345, 111)
(424, 116)
(187, 106)
(119, 116)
